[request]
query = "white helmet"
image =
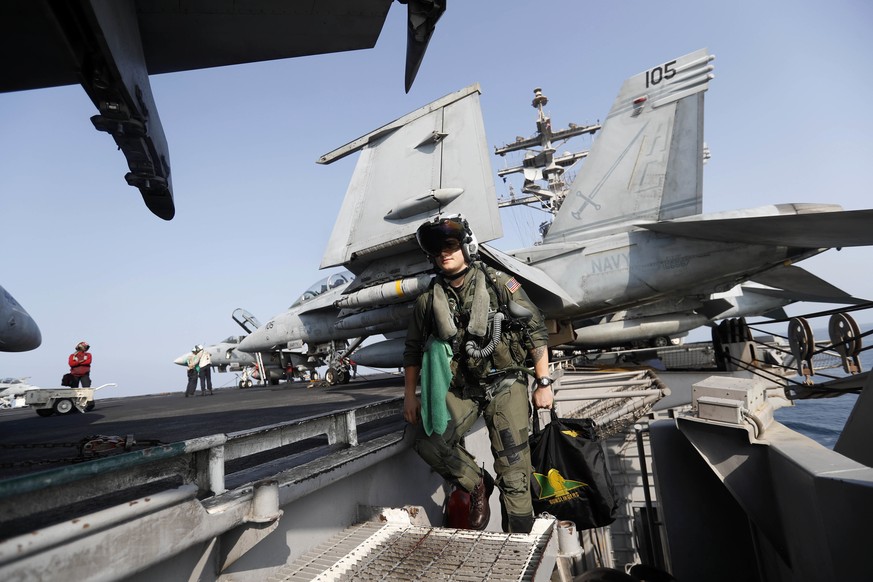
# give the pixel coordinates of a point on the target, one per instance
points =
(432, 236)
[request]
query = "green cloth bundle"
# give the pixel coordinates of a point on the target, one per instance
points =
(436, 376)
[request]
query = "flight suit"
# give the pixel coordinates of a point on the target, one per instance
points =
(493, 387)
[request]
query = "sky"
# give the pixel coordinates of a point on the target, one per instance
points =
(787, 119)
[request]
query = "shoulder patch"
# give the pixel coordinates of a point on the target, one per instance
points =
(513, 285)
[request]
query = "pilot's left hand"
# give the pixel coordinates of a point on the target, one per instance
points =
(543, 398)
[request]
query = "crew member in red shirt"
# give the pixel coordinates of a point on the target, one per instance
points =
(80, 365)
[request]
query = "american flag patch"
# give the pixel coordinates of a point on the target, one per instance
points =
(513, 285)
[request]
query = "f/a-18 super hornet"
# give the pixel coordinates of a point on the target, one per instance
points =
(269, 366)
(628, 232)
(227, 358)
(18, 330)
(309, 331)
(111, 47)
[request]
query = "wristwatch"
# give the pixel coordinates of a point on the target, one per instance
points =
(544, 382)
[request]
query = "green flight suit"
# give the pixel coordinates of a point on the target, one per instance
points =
(484, 388)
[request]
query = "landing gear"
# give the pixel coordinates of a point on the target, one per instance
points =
(661, 342)
(338, 375)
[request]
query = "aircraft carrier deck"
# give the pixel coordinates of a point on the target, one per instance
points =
(293, 483)
(29, 443)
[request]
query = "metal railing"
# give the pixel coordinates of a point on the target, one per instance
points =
(201, 461)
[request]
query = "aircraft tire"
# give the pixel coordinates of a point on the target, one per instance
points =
(330, 376)
(661, 341)
(45, 411)
(64, 406)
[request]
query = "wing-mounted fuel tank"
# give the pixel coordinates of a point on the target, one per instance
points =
(386, 293)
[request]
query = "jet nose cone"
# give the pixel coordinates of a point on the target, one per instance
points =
(254, 342)
(181, 360)
(20, 333)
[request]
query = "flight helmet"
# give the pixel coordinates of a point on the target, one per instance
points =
(433, 234)
(82, 346)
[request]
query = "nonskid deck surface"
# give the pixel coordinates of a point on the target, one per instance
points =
(398, 552)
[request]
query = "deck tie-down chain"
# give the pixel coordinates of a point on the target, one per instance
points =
(88, 448)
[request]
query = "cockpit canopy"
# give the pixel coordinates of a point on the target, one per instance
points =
(324, 285)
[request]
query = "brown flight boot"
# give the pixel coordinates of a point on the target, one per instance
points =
(480, 509)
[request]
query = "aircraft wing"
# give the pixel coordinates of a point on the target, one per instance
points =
(541, 288)
(111, 48)
(801, 283)
(814, 230)
(432, 161)
(788, 284)
(40, 39)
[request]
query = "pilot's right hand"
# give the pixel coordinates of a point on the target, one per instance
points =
(411, 409)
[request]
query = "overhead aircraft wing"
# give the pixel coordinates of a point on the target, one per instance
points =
(432, 161)
(420, 23)
(815, 230)
(41, 40)
(111, 48)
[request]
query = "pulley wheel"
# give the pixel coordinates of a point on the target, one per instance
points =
(800, 339)
(845, 335)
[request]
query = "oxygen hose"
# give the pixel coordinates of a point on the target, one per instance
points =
(497, 328)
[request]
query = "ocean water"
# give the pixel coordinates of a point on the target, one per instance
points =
(822, 419)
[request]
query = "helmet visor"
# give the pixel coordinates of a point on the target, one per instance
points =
(445, 234)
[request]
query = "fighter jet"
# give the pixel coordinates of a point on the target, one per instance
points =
(111, 48)
(18, 331)
(227, 358)
(658, 324)
(12, 392)
(269, 366)
(315, 328)
(629, 232)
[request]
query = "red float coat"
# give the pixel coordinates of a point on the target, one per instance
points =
(80, 363)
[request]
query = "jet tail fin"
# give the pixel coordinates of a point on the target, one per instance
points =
(433, 160)
(647, 163)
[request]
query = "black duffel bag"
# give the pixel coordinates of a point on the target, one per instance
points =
(570, 479)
